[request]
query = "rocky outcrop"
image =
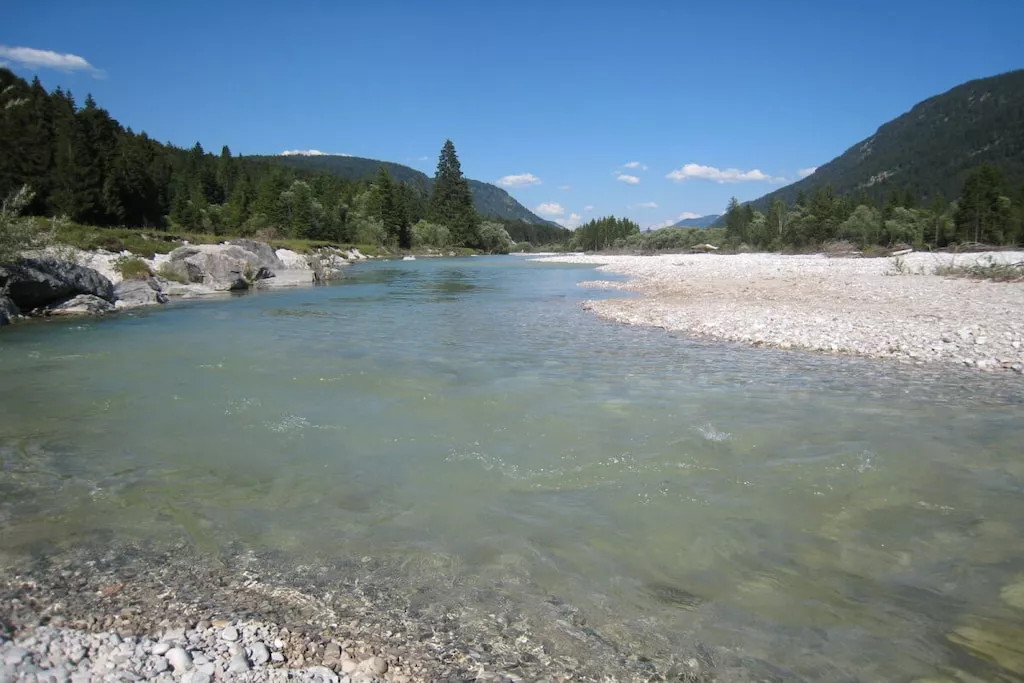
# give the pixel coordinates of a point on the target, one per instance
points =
(138, 293)
(82, 304)
(265, 255)
(221, 267)
(36, 282)
(8, 310)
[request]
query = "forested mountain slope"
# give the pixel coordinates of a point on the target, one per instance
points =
(488, 199)
(930, 150)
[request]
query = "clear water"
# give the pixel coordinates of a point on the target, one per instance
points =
(817, 517)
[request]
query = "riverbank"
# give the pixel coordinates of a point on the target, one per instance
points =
(131, 612)
(882, 308)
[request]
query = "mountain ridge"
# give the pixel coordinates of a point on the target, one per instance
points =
(930, 149)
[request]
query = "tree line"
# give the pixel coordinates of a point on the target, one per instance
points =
(81, 163)
(987, 212)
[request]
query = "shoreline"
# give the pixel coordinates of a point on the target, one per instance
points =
(128, 611)
(864, 307)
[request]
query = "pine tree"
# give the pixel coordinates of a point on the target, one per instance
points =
(451, 203)
(981, 215)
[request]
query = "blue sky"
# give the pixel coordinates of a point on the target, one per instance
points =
(651, 110)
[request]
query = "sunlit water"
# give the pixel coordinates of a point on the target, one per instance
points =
(824, 518)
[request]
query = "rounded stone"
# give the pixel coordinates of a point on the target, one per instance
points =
(230, 633)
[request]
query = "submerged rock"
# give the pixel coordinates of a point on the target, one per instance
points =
(37, 282)
(83, 304)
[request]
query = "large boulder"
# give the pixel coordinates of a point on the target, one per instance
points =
(221, 267)
(82, 304)
(138, 293)
(292, 260)
(264, 253)
(8, 310)
(35, 282)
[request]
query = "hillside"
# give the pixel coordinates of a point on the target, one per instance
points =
(698, 222)
(931, 149)
(489, 199)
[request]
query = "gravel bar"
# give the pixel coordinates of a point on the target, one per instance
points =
(877, 307)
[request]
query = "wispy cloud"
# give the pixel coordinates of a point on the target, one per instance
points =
(32, 58)
(804, 172)
(423, 158)
(644, 205)
(629, 179)
(635, 165)
(550, 209)
(668, 222)
(686, 215)
(521, 180)
(588, 207)
(565, 187)
(718, 175)
(311, 153)
(571, 222)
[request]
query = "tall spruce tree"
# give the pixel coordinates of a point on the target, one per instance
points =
(451, 202)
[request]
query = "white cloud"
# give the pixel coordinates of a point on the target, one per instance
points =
(728, 175)
(521, 180)
(311, 153)
(635, 164)
(550, 209)
(571, 222)
(668, 222)
(565, 187)
(804, 172)
(423, 158)
(644, 205)
(588, 207)
(47, 59)
(630, 179)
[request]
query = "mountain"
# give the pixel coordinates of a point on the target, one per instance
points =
(932, 148)
(698, 222)
(489, 199)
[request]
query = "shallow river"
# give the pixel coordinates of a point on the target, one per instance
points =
(808, 516)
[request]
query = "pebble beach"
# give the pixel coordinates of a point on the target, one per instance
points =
(876, 307)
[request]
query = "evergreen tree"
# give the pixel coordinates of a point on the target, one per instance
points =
(451, 203)
(981, 215)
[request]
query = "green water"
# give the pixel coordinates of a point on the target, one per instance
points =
(801, 516)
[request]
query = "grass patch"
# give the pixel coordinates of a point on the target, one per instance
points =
(132, 268)
(166, 272)
(989, 269)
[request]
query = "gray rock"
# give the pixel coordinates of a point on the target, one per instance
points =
(173, 634)
(8, 310)
(260, 653)
(230, 633)
(276, 657)
(82, 304)
(377, 665)
(197, 677)
(224, 267)
(15, 655)
(239, 664)
(161, 648)
(179, 659)
(32, 283)
(265, 254)
(137, 293)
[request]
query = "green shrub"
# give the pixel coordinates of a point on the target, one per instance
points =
(132, 268)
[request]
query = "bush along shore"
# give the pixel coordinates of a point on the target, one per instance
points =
(62, 281)
(916, 308)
